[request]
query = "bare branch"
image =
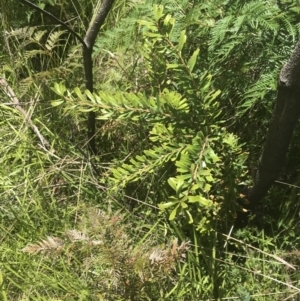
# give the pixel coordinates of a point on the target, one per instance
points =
(15, 102)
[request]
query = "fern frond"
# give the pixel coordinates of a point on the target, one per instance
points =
(25, 85)
(38, 35)
(125, 33)
(24, 32)
(33, 53)
(257, 92)
(252, 15)
(54, 39)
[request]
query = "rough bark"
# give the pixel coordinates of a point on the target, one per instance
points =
(285, 116)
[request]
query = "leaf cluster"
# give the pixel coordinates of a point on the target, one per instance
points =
(185, 131)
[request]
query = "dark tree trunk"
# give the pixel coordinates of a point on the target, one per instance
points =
(88, 44)
(285, 116)
(89, 41)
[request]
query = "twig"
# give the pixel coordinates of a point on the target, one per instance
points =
(263, 252)
(15, 102)
(63, 24)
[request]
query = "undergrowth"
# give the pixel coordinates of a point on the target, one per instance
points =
(182, 95)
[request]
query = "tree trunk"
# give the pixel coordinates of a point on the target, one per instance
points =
(285, 116)
(88, 44)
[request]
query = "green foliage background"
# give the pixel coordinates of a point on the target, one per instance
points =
(184, 91)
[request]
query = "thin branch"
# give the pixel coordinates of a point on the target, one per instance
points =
(15, 101)
(63, 24)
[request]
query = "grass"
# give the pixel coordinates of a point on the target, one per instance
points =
(62, 235)
(65, 235)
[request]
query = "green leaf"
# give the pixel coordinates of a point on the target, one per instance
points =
(56, 103)
(59, 89)
(168, 19)
(192, 61)
(183, 205)
(204, 172)
(213, 155)
(90, 96)
(153, 35)
(216, 94)
(200, 199)
(194, 199)
(209, 178)
(230, 139)
(172, 66)
(205, 202)
(149, 25)
(182, 40)
(158, 11)
(179, 185)
(173, 213)
(79, 94)
(207, 187)
(105, 116)
(164, 206)
(172, 183)
(191, 220)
